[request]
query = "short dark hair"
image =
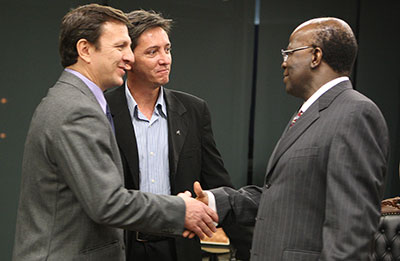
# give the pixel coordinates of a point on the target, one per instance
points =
(141, 20)
(84, 22)
(339, 46)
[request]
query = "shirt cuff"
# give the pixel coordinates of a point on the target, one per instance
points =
(211, 202)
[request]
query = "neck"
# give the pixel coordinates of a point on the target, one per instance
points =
(85, 72)
(145, 96)
(322, 77)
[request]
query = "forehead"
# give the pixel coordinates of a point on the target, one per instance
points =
(154, 35)
(303, 35)
(114, 31)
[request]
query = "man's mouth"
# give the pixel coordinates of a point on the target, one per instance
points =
(163, 71)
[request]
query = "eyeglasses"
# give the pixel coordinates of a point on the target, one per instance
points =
(285, 53)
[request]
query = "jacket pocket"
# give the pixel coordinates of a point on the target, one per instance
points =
(305, 152)
(107, 251)
(300, 255)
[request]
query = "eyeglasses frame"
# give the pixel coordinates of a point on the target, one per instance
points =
(285, 53)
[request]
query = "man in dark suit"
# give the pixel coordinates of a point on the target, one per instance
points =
(165, 136)
(73, 204)
(324, 180)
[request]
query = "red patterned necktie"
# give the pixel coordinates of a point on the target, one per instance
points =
(296, 118)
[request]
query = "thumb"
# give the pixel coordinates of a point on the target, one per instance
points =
(198, 190)
(187, 193)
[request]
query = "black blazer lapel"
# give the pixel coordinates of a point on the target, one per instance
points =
(125, 134)
(304, 122)
(177, 131)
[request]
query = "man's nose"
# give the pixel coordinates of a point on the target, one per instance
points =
(129, 58)
(165, 58)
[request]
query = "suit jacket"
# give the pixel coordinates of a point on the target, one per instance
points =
(323, 186)
(192, 150)
(73, 200)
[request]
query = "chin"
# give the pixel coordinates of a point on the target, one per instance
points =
(288, 89)
(163, 82)
(115, 84)
(120, 81)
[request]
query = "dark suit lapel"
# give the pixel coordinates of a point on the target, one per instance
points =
(177, 131)
(124, 132)
(312, 114)
(292, 134)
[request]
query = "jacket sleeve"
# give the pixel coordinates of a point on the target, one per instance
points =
(87, 157)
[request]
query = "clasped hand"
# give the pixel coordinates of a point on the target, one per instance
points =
(199, 218)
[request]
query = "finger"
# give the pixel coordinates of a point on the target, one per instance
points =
(198, 190)
(198, 231)
(205, 228)
(211, 225)
(185, 195)
(212, 214)
(207, 225)
(182, 195)
(186, 233)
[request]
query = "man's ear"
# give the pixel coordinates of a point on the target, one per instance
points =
(84, 49)
(316, 58)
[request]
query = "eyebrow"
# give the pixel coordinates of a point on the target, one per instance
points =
(158, 46)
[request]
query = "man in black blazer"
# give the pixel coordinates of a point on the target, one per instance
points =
(165, 136)
(324, 180)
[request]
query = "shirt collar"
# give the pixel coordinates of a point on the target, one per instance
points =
(132, 104)
(324, 88)
(98, 93)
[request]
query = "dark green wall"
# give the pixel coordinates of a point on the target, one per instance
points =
(378, 74)
(212, 58)
(29, 65)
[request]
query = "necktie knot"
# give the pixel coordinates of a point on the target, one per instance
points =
(296, 118)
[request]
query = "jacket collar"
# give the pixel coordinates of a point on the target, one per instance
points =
(290, 135)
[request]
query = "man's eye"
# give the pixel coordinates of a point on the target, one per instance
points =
(120, 47)
(168, 49)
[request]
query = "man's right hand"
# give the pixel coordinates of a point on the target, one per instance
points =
(199, 217)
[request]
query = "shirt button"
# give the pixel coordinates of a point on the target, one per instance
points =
(152, 181)
(152, 153)
(267, 185)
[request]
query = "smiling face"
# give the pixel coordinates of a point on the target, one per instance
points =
(152, 58)
(113, 56)
(297, 69)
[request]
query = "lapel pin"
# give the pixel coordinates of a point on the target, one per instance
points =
(178, 132)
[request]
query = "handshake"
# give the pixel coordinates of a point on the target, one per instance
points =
(199, 218)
